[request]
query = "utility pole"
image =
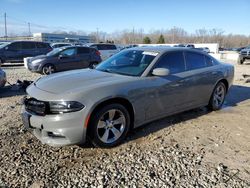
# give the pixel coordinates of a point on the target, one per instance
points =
(5, 26)
(97, 35)
(133, 35)
(29, 29)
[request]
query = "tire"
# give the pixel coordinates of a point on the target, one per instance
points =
(48, 69)
(104, 131)
(240, 61)
(92, 65)
(218, 96)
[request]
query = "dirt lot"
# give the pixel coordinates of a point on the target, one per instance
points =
(192, 149)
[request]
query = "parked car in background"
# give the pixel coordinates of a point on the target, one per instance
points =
(185, 45)
(106, 50)
(129, 89)
(204, 49)
(64, 58)
(16, 51)
(2, 78)
(58, 45)
(244, 55)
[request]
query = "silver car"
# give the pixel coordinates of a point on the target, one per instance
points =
(133, 87)
(2, 78)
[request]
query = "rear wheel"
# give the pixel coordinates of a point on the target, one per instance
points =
(218, 96)
(48, 69)
(109, 126)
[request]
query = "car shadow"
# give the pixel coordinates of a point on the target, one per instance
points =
(236, 95)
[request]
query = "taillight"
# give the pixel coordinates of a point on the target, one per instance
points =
(97, 53)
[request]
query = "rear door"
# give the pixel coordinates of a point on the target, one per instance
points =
(201, 76)
(83, 55)
(42, 48)
(28, 49)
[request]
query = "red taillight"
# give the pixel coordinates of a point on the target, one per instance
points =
(97, 52)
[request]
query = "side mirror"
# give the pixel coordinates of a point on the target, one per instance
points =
(160, 72)
(62, 56)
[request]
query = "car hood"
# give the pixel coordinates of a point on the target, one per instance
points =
(84, 79)
(39, 57)
(245, 50)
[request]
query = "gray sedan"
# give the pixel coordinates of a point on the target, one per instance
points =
(133, 87)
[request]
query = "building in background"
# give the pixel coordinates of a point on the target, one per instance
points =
(51, 37)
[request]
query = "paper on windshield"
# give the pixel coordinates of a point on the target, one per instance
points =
(150, 53)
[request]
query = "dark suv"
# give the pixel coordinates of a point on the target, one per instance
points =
(64, 58)
(16, 51)
(244, 54)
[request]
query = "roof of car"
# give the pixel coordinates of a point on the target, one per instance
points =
(162, 49)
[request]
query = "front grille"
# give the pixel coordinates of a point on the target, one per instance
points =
(244, 52)
(35, 106)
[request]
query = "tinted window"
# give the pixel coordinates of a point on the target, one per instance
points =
(14, 46)
(106, 47)
(210, 61)
(69, 52)
(83, 50)
(110, 47)
(195, 60)
(28, 45)
(173, 61)
(42, 45)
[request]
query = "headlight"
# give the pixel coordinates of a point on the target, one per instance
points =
(37, 61)
(60, 107)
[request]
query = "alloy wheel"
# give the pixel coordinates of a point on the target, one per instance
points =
(49, 69)
(219, 95)
(111, 126)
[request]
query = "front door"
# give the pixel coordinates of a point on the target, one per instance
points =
(171, 93)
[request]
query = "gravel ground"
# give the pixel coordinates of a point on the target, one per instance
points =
(192, 149)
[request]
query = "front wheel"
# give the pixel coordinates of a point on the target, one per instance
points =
(48, 69)
(240, 61)
(218, 96)
(93, 65)
(109, 126)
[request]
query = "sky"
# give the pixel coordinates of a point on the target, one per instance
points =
(232, 16)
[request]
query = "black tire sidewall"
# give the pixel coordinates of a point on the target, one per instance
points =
(211, 103)
(94, 121)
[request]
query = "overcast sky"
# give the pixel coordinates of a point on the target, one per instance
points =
(232, 16)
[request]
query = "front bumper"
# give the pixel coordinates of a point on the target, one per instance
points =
(57, 130)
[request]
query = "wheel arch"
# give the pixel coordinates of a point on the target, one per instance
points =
(118, 100)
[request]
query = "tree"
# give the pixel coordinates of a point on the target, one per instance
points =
(161, 40)
(146, 40)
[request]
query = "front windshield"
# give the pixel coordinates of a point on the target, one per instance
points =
(129, 62)
(248, 47)
(54, 51)
(3, 44)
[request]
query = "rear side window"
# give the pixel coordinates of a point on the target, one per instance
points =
(42, 45)
(195, 60)
(28, 45)
(105, 47)
(15, 46)
(82, 50)
(210, 61)
(174, 61)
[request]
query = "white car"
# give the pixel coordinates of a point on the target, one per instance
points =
(106, 50)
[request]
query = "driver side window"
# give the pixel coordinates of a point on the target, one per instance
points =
(69, 52)
(173, 61)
